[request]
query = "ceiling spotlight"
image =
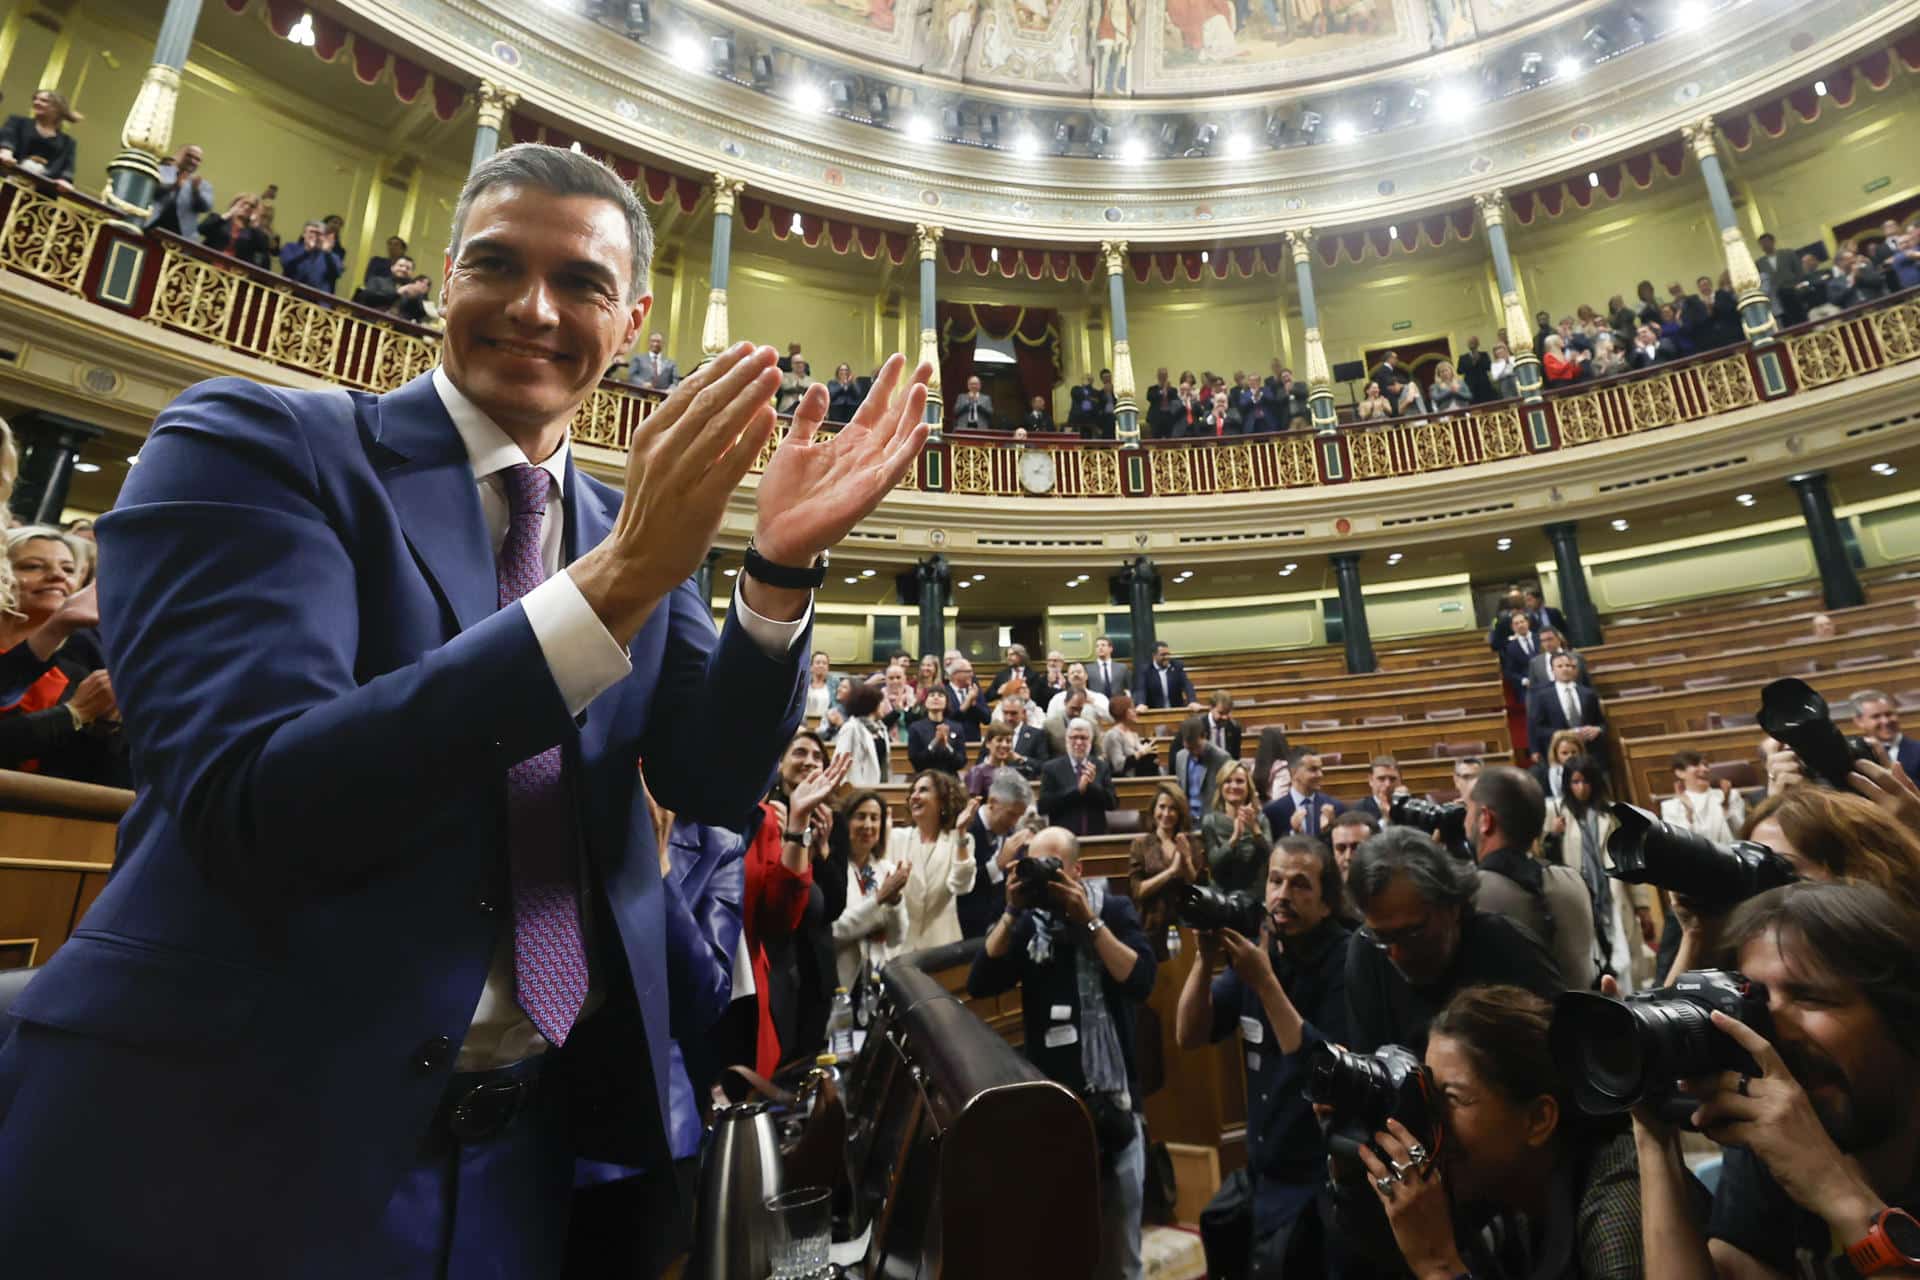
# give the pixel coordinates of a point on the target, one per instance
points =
(1593, 177)
(852, 580)
(761, 66)
(1343, 131)
(1568, 68)
(686, 49)
(1071, 582)
(866, 573)
(1819, 88)
(1598, 40)
(639, 18)
(1744, 499)
(807, 96)
(964, 585)
(732, 573)
(1169, 135)
(1205, 257)
(132, 458)
(1689, 15)
(1310, 124)
(1454, 101)
(1379, 112)
(1417, 102)
(1620, 525)
(1026, 145)
(1530, 65)
(979, 577)
(1062, 138)
(720, 53)
(1203, 136)
(1395, 558)
(1883, 468)
(1238, 146)
(1097, 138)
(1133, 151)
(1291, 566)
(1393, 231)
(993, 254)
(990, 127)
(919, 129)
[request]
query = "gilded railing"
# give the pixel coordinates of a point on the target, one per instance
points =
(71, 243)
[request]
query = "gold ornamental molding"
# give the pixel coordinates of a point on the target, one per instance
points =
(491, 104)
(726, 195)
(1115, 254)
(928, 237)
(1492, 207)
(1703, 136)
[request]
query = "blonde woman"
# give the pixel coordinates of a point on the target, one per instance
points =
(9, 475)
(40, 143)
(60, 714)
(939, 853)
(1235, 833)
(1449, 389)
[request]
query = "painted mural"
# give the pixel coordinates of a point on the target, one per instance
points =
(1116, 48)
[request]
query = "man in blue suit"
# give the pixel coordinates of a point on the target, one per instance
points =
(389, 948)
(1305, 808)
(1163, 682)
(1877, 718)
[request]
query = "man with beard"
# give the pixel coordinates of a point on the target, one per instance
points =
(1422, 941)
(1823, 1143)
(1285, 993)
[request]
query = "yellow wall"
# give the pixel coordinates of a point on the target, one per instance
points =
(1890, 535)
(1395, 615)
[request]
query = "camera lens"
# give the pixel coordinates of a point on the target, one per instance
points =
(1618, 1053)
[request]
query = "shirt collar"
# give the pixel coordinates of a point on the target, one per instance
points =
(489, 449)
(1299, 797)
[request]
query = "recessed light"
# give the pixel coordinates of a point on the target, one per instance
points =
(1025, 145)
(1239, 146)
(1879, 468)
(979, 577)
(1690, 15)
(1134, 151)
(1344, 131)
(965, 583)
(1073, 582)
(1568, 68)
(1291, 566)
(86, 467)
(920, 128)
(1395, 558)
(853, 579)
(1620, 525)
(867, 573)
(1454, 101)
(1819, 88)
(808, 96)
(687, 51)
(1744, 499)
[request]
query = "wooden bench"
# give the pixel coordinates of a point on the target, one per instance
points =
(56, 848)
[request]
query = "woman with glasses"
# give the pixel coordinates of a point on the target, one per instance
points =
(1516, 1182)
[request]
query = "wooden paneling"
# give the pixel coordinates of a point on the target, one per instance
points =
(56, 847)
(37, 907)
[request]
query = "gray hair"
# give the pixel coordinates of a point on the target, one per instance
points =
(1863, 697)
(563, 172)
(1441, 879)
(1080, 722)
(1008, 787)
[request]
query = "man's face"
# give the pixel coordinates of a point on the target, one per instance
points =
(1346, 838)
(189, 161)
(1564, 668)
(803, 759)
(656, 343)
(960, 676)
(1521, 624)
(1079, 742)
(1473, 343)
(1294, 900)
(1705, 285)
(1419, 938)
(402, 269)
(973, 386)
(1002, 815)
(1014, 707)
(1103, 648)
(1382, 781)
(1878, 720)
(897, 686)
(1835, 1043)
(1219, 402)
(1076, 676)
(1766, 244)
(1550, 641)
(1306, 775)
(536, 304)
(1463, 777)
(396, 247)
(1162, 655)
(1160, 375)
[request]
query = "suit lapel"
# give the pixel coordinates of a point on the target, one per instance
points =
(429, 480)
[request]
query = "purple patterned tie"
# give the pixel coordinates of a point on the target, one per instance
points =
(549, 955)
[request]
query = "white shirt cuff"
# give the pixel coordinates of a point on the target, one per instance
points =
(776, 639)
(582, 654)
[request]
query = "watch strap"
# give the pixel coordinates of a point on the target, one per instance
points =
(783, 575)
(1876, 1251)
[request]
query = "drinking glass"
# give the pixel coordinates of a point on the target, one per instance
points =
(802, 1225)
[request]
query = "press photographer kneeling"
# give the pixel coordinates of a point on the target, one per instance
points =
(1083, 965)
(1285, 991)
(1822, 1125)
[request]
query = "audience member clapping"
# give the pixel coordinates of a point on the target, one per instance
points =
(844, 394)
(1696, 805)
(1076, 787)
(1449, 390)
(1235, 833)
(233, 232)
(865, 891)
(936, 741)
(864, 737)
(936, 846)
(183, 197)
(61, 718)
(1129, 749)
(1476, 368)
(794, 384)
(996, 753)
(1374, 405)
(316, 259)
(1161, 863)
(1501, 373)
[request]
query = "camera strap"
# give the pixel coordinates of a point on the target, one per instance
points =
(1529, 875)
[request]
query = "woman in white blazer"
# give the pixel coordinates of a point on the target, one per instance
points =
(872, 920)
(1578, 824)
(936, 846)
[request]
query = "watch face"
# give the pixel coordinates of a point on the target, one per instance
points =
(1036, 470)
(1903, 1233)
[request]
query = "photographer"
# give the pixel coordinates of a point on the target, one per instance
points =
(1083, 965)
(1284, 992)
(1422, 941)
(1522, 1185)
(1505, 815)
(1827, 1135)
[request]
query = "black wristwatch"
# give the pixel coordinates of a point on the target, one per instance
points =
(784, 575)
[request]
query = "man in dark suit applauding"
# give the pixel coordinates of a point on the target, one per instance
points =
(1564, 704)
(973, 411)
(389, 934)
(1106, 674)
(1305, 809)
(1163, 682)
(1476, 367)
(653, 368)
(1222, 729)
(996, 847)
(1076, 787)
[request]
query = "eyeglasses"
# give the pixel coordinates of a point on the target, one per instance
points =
(1395, 937)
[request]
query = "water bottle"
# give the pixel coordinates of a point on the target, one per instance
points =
(840, 1025)
(1173, 940)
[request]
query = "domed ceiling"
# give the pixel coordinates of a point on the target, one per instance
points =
(1120, 48)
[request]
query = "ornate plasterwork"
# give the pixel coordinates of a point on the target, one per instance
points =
(607, 87)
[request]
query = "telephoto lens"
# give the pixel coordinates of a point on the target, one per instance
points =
(1617, 1054)
(1794, 712)
(1713, 877)
(1367, 1090)
(1446, 823)
(1206, 906)
(1039, 872)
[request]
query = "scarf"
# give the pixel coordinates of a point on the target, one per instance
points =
(1100, 1061)
(1593, 869)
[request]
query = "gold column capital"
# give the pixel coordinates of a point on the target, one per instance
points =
(1115, 254)
(928, 237)
(713, 332)
(1492, 207)
(726, 193)
(1702, 135)
(492, 102)
(1300, 240)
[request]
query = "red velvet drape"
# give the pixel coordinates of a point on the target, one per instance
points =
(1036, 344)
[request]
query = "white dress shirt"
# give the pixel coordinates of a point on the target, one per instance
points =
(584, 660)
(1570, 703)
(1096, 703)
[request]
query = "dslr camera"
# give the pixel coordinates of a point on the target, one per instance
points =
(1206, 907)
(1446, 823)
(1036, 873)
(1367, 1090)
(1618, 1054)
(1714, 877)
(1795, 713)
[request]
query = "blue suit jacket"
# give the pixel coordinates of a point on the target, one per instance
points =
(1279, 813)
(242, 1047)
(1908, 757)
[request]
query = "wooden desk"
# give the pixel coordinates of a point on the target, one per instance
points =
(56, 848)
(1658, 714)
